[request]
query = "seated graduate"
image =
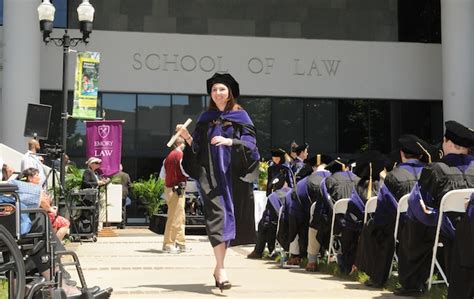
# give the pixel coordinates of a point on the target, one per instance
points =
(314, 193)
(368, 168)
(299, 213)
(267, 226)
(454, 171)
(461, 283)
(376, 244)
(301, 152)
(279, 164)
(337, 186)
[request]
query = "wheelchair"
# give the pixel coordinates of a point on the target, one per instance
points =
(16, 248)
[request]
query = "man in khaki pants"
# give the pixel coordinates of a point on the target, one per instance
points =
(175, 182)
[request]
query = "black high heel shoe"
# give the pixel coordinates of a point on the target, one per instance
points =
(223, 285)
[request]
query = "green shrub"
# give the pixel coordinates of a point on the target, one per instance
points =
(150, 192)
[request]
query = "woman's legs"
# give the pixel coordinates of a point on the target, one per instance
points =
(219, 271)
(61, 232)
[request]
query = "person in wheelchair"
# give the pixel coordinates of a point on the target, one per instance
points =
(59, 223)
(39, 257)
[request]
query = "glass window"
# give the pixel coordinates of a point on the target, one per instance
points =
(259, 110)
(185, 107)
(353, 125)
(320, 120)
(153, 124)
(119, 106)
(287, 122)
(60, 17)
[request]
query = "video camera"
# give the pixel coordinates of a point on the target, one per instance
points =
(179, 189)
(53, 151)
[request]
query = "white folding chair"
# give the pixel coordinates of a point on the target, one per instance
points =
(370, 207)
(401, 208)
(340, 207)
(453, 201)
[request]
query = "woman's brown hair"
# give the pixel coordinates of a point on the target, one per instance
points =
(231, 103)
(29, 172)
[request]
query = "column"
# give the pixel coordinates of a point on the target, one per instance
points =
(21, 69)
(458, 60)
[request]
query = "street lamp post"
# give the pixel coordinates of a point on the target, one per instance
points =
(85, 13)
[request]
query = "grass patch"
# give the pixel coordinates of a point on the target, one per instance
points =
(3, 288)
(437, 291)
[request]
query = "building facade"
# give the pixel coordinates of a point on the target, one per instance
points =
(343, 76)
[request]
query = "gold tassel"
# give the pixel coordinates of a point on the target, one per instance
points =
(318, 160)
(426, 152)
(369, 191)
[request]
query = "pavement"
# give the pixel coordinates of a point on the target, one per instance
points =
(133, 264)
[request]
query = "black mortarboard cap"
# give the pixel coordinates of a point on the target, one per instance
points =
(278, 152)
(319, 159)
(459, 134)
(336, 165)
(369, 165)
(411, 144)
(225, 79)
(301, 148)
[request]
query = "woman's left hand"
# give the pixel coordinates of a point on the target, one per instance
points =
(219, 140)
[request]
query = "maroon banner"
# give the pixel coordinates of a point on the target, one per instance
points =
(104, 141)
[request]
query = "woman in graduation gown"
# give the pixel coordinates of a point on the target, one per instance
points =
(218, 155)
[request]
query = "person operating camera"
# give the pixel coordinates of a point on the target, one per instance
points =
(175, 183)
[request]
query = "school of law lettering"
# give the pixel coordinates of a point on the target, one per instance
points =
(255, 65)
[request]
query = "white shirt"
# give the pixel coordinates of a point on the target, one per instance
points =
(30, 159)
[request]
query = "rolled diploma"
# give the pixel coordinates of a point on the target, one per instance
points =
(173, 139)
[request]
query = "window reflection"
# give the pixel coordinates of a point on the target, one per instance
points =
(258, 109)
(119, 106)
(287, 122)
(320, 121)
(153, 124)
(185, 107)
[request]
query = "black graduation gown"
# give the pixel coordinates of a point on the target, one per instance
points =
(455, 171)
(337, 186)
(228, 200)
(300, 210)
(377, 243)
(461, 282)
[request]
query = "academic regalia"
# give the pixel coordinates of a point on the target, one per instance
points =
(283, 222)
(377, 235)
(283, 173)
(267, 227)
(368, 168)
(461, 283)
(228, 200)
(455, 171)
(299, 214)
(337, 186)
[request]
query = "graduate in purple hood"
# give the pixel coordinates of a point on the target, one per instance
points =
(454, 171)
(220, 153)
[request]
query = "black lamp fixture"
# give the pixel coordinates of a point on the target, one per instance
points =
(85, 12)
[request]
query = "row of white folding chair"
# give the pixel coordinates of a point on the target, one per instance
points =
(453, 201)
(402, 207)
(340, 207)
(370, 207)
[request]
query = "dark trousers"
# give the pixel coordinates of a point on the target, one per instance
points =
(266, 235)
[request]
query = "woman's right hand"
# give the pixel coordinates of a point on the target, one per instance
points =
(183, 132)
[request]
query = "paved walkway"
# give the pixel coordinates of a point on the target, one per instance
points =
(134, 265)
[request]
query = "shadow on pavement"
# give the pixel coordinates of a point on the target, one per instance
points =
(191, 288)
